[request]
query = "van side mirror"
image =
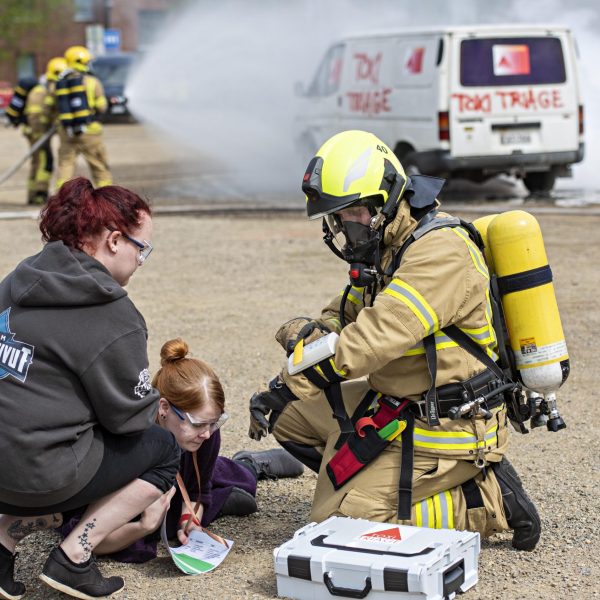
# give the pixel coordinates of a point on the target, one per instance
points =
(299, 89)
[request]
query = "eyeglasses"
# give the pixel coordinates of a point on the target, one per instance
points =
(210, 426)
(144, 246)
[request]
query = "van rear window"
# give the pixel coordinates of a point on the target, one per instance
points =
(511, 61)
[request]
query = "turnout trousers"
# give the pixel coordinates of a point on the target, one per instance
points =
(40, 171)
(91, 147)
(449, 491)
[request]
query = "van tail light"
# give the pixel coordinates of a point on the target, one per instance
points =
(444, 125)
(581, 119)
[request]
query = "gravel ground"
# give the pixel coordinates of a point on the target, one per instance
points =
(224, 285)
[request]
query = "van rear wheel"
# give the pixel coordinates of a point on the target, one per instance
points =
(540, 181)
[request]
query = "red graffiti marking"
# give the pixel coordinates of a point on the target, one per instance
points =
(414, 65)
(370, 103)
(473, 103)
(505, 100)
(530, 99)
(367, 68)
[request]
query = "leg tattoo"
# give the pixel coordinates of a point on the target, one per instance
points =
(84, 540)
(23, 527)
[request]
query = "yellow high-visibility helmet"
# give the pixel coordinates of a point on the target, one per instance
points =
(78, 58)
(353, 167)
(55, 67)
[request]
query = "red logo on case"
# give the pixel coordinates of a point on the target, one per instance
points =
(385, 535)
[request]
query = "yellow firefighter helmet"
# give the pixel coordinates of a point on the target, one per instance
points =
(353, 167)
(55, 67)
(78, 58)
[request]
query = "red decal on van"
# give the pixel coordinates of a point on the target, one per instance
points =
(511, 59)
(414, 64)
(370, 103)
(367, 67)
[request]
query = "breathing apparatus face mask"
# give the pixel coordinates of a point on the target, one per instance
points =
(354, 233)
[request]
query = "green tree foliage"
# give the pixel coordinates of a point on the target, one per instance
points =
(29, 20)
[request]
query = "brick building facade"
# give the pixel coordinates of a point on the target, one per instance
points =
(82, 22)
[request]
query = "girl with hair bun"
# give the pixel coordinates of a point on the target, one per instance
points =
(78, 409)
(192, 408)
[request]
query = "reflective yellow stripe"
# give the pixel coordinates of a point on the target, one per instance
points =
(355, 295)
(474, 251)
(335, 322)
(418, 305)
(79, 113)
(20, 90)
(70, 90)
(438, 512)
(340, 372)
(442, 341)
(419, 515)
(444, 510)
(453, 440)
(450, 506)
(33, 110)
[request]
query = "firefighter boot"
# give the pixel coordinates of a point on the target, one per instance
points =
(521, 514)
(270, 464)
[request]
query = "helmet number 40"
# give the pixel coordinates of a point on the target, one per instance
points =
(382, 149)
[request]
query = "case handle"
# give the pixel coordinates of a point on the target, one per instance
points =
(346, 592)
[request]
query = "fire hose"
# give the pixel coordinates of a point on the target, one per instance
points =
(34, 148)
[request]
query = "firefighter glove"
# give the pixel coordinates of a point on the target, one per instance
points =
(310, 332)
(265, 408)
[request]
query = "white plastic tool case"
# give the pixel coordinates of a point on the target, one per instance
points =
(354, 558)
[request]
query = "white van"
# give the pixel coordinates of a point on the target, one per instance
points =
(465, 101)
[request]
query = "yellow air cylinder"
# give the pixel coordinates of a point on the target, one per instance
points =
(530, 309)
(482, 225)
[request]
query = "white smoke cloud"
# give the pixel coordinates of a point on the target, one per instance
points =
(221, 78)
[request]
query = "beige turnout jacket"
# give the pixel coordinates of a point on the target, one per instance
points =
(442, 280)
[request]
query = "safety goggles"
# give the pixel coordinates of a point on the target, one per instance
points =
(144, 246)
(210, 426)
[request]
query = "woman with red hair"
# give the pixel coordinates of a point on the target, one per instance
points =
(78, 408)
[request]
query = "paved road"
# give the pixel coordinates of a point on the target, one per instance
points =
(174, 177)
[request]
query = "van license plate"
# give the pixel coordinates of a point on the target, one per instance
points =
(515, 137)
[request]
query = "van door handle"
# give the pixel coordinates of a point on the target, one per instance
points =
(339, 101)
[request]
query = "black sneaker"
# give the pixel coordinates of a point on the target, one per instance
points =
(521, 514)
(9, 588)
(270, 464)
(81, 581)
(239, 503)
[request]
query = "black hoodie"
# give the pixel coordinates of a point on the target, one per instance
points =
(73, 362)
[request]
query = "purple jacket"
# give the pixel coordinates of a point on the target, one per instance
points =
(218, 476)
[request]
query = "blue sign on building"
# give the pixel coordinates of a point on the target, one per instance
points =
(112, 39)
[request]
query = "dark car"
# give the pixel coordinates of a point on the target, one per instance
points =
(113, 71)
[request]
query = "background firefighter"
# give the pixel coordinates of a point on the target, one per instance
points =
(40, 114)
(401, 300)
(82, 134)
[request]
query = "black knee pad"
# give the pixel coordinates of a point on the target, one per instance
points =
(307, 455)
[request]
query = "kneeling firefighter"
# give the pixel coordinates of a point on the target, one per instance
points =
(416, 342)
